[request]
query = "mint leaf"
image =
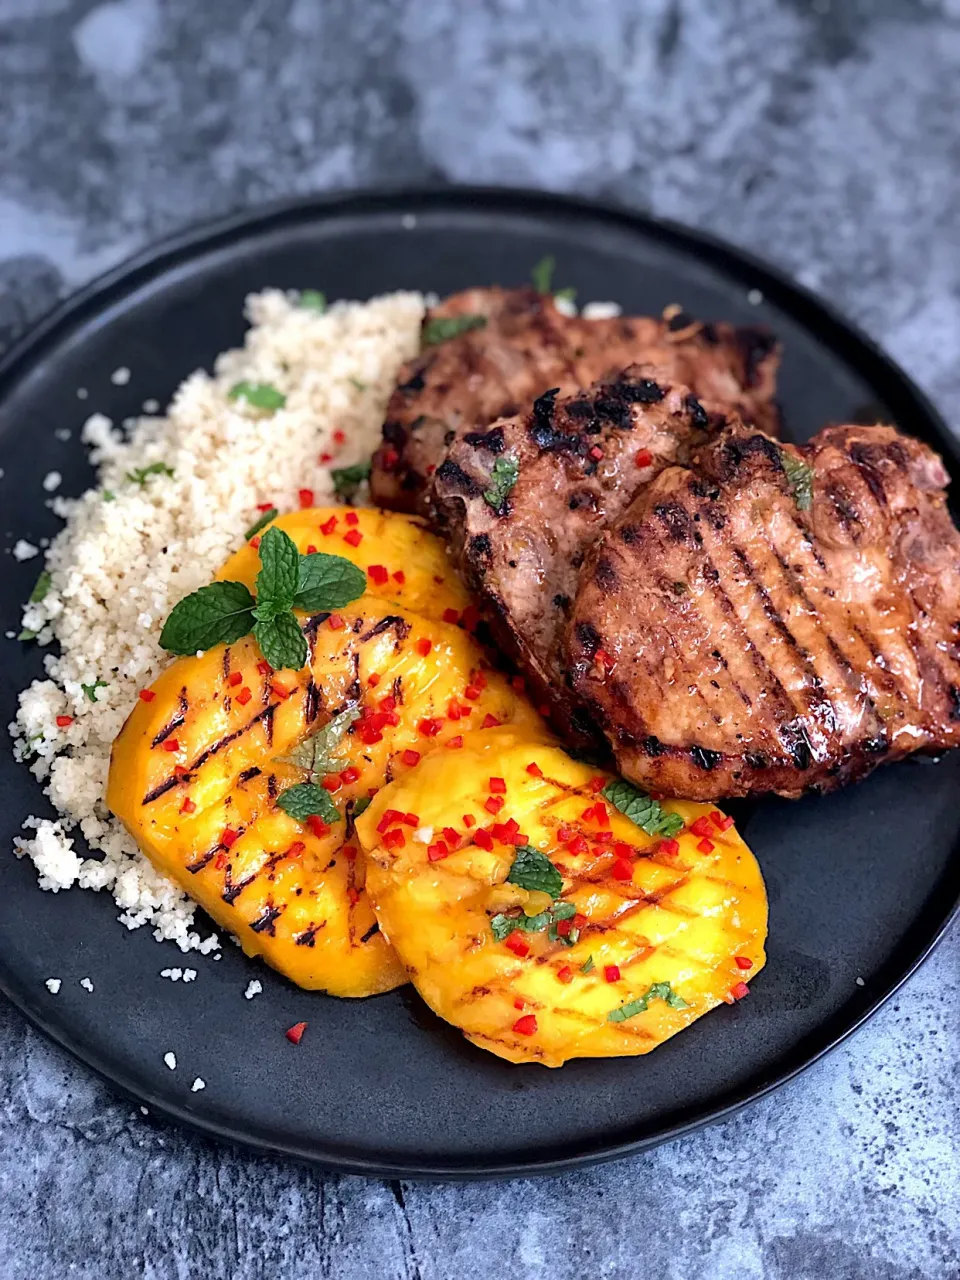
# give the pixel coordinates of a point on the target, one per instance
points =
(27, 634)
(588, 965)
(648, 814)
(140, 475)
(278, 576)
(327, 582)
(218, 614)
(800, 479)
(317, 754)
(506, 471)
(347, 480)
(281, 641)
(39, 592)
(443, 328)
(259, 394)
(533, 870)
(109, 495)
(360, 386)
(306, 799)
(542, 273)
(504, 925)
(264, 520)
(91, 689)
(361, 806)
(313, 300)
(658, 991)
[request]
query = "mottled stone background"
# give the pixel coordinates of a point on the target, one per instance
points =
(822, 135)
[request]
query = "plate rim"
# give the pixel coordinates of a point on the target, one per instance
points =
(197, 239)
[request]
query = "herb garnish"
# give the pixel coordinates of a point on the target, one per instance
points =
(503, 925)
(506, 471)
(27, 634)
(259, 394)
(139, 475)
(109, 495)
(355, 382)
(91, 689)
(542, 273)
(443, 328)
(800, 479)
(317, 754)
(659, 991)
(361, 806)
(306, 800)
(347, 480)
(264, 520)
(224, 612)
(39, 592)
(641, 809)
(313, 300)
(533, 870)
(588, 965)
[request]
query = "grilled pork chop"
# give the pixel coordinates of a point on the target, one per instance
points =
(775, 619)
(522, 347)
(524, 500)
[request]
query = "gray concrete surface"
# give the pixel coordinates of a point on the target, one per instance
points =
(822, 135)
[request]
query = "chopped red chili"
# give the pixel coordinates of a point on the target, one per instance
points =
(525, 1026)
(670, 847)
(596, 453)
(295, 1033)
(430, 728)
(328, 526)
(306, 498)
(311, 549)
(171, 744)
(484, 839)
(336, 622)
(296, 849)
(702, 826)
(180, 771)
(64, 721)
(400, 577)
(353, 537)
(706, 846)
(353, 896)
(244, 696)
(437, 851)
(451, 615)
(264, 506)
(577, 845)
(493, 804)
(410, 819)
(374, 679)
(491, 722)
(469, 820)
(534, 770)
(498, 786)
(188, 805)
(339, 437)
(146, 695)
(517, 943)
(349, 852)
(743, 962)
(722, 821)
(229, 837)
(410, 758)
(565, 974)
(317, 826)
(394, 839)
(264, 667)
(739, 991)
(235, 678)
(621, 870)
(352, 518)
(424, 645)
(456, 742)
(378, 574)
(331, 783)
(220, 861)
(644, 457)
(349, 775)
(452, 837)
(470, 617)
(389, 458)
(472, 692)
(611, 972)
(255, 542)
(564, 927)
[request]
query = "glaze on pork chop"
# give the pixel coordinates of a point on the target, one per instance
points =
(729, 641)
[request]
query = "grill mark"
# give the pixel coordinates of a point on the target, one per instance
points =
(273, 787)
(266, 923)
(226, 663)
(266, 715)
(248, 774)
(492, 441)
(309, 935)
(374, 929)
(178, 718)
(310, 629)
(233, 891)
(868, 472)
(397, 691)
(203, 860)
(312, 701)
(391, 621)
(452, 474)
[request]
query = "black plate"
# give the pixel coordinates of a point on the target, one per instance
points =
(861, 884)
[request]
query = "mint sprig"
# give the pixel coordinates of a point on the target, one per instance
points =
(533, 870)
(443, 328)
(658, 991)
(313, 300)
(647, 813)
(307, 800)
(347, 480)
(262, 395)
(225, 612)
(317, 754)
(503, 925)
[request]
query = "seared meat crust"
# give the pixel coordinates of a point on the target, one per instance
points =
(527, 347)
(729, 642)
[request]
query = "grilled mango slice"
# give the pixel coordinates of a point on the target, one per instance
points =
(405, 563)
(643, 936)
(197, 770)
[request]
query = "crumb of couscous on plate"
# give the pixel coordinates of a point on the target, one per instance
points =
(23, 550)
(254, 987)
(87, 984)
(53, 985)
(170, 1060)
(198, 1084)
(120, 377)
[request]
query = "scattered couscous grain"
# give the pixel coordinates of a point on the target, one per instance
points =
(23, 550)
(254, 987)
(87, 984)
(120, 377)
(53, 985)
(198, 1084)
(171, 1060)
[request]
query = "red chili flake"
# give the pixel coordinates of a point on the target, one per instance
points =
(400, 577)
(452, 837)
(311, 549)
(577, 845)
(411, 819)
(484, 839)
(621, 850)
(146, 695)
(339, 437)
(255, 542)
(370, 737)
(706, 846)
(180, 771)
(317, 826)
(410, 758)
(229, 837)
(390, 816)
(264, 667)
(611, 972)
(534, 770)
(388, 703)
(565, 974)
(525, 1026)
(235, 678)
(437, 851)
(264, 506)
(564, 927)
(602, 837)
(306, 498)
(325, 458)
(352, 518)
(220, 861)
(378, 574)
(328, 526)
(389, 458)
(244, 696)
(471, 692)
(430, 728)
(739, 991)
(743, 962)
(543, 709)
(490, 722)
(295, 1033)
(353, 896)
(517, 943)
(455, 743)
(722, 821)
(394, 839)
(565, 833)
(702, 826)
(431, 468)
(171, 744)
(331, 784)
(498, 786)
(519, 1003)
(424, 646)
(579, 921)
(596, 453)
(453, 709)
(336, 622)
(354, 537)
(493, 804)
(188, 806)
(374, 679)
(296, 849)
(644, 457)
(470, 617)
(349, 775)
(621, 870)
(670, 847)
(350, 853)
(469, 820)
(451, 615)
(280, 690)
(64, 721)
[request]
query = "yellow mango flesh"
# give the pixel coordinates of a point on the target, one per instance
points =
(399, 544)
(680, 919)
(294, 897)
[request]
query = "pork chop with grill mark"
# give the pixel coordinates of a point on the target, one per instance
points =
(730, 642)
(578, 461)
(526, 346)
